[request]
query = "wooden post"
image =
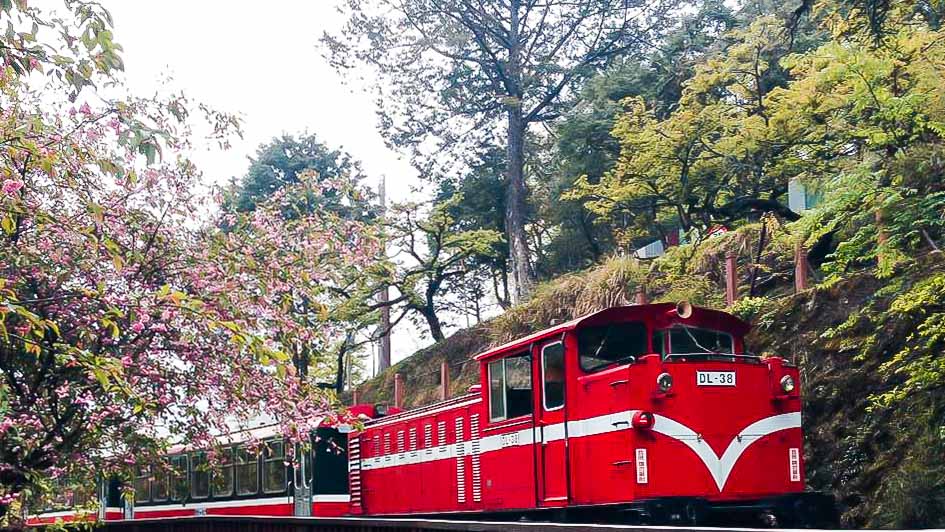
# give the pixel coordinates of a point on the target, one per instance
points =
(731, 279)
(641, 295)
(354, 397)
(398, 391)
(800, 267)
(444, 380)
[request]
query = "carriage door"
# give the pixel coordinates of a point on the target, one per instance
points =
(302, 482)
(551, 427)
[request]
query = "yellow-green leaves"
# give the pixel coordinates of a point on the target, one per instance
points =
(8, 225)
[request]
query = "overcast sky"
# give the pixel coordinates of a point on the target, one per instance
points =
(259, 60)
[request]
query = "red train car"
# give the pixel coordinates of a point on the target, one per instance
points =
(640, 414)
(649, 413)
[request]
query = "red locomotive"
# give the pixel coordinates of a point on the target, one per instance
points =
(648, 414)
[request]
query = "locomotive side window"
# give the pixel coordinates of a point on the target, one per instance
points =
(199, 476)
(247, 470)
(510, 387)
(274, 478)
(552, 373)
(223, 477)
(497, 390)
(690, 341)
(603, 346)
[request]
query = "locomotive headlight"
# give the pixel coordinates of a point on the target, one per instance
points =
(787, 384)
(664, 382)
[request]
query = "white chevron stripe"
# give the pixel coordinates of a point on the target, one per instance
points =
(721, 468)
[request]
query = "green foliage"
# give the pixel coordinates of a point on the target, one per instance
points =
(914, 495)
(920, 361)
(280, 163)
(717, 158)
(440, 256)
(747, 308)
(877, 113)
(476, 201)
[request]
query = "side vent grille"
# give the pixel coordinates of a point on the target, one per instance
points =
(476, 474)
(354, 470)
(460, 462)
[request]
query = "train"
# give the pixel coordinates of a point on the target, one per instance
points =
(642, 414)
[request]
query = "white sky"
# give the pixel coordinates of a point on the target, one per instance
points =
(259, 60)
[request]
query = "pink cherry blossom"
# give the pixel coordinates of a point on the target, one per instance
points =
(11, 186)
(158, 317)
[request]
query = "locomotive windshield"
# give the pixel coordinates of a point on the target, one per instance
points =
(607, 345)
(693, 341)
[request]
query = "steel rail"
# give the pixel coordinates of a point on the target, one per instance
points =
(233, 523)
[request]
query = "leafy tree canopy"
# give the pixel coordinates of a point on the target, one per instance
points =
(280, 163)
(125, 320)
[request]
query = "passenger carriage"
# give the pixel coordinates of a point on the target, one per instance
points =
(253, 478)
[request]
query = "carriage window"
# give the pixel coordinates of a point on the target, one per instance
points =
(199, 476)
(510, 387)
(159, 483)
(62, 497)
(607, 345)
(223, 475)
(247, 469)
(691, 341)
(142, 483)
(81, 496)
(274, 468)
(552, 373)
(178, 478)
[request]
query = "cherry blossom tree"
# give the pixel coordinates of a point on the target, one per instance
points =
(128, 319)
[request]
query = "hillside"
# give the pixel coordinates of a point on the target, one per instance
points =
(872, 440)
(568, 297)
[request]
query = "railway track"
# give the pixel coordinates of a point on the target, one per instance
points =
(357, 524)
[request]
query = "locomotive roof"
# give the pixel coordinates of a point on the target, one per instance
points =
(700, 316)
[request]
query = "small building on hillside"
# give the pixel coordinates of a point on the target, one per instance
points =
(800, 198)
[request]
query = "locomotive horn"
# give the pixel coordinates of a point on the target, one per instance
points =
(684, 309)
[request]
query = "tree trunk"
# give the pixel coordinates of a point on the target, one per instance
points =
(433, 321)
(340, 370)
(515, 210)
(515, 193)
